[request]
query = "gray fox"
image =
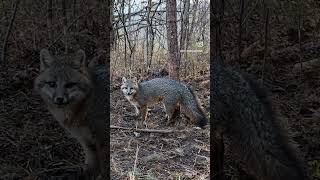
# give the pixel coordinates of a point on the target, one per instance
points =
(76, 96)
(172, 93)
(258, 139)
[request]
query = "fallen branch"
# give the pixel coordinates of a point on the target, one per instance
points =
(62, 168)
(147, 130)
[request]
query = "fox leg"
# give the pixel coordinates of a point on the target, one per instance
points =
(144, 113)
(172, 112)
(136, 108)
(218, 156)
(92, 150)
(137, 112)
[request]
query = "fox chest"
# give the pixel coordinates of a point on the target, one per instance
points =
(69, 118)
(133, 101)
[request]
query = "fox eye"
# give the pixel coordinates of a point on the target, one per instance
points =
(70, 85)
(52, 84)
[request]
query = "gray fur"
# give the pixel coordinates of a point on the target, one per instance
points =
(258, 140)
(172, 93)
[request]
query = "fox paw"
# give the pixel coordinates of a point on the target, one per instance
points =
(145, 124)
(139, 124)
(170, 123)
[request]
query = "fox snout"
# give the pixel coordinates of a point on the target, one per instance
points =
(129, 93)
(60, 97)
(60, 100)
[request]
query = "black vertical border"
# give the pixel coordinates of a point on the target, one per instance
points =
(108, 4)
(216, 44)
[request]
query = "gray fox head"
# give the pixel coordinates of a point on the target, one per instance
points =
(129, 87)
(63, 80)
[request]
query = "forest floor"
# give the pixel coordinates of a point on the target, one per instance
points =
(33, 143)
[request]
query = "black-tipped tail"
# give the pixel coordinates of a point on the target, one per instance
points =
(197, 111)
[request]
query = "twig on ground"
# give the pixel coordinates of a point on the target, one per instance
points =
(147, 130)
(136, 159)
(133, 173)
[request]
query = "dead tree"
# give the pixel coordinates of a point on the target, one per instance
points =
(184, 38)
(172, 39)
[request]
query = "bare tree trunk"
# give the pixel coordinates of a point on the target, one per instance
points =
(151, 32)
(65, 24)
(149, 28)
(266, 32)
(300, 55)
(172, 39)
(240, 31)
(74, 4)
(190, 33)
(49, 21)
(131, 47)
(4, 12)
(184, 32)
(74, 10)
(5, 42)
(184, 24)
(125, 52)
(194, 16)
(147, 47)
(145, 51)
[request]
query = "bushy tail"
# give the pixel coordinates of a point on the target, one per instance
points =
(194, 109)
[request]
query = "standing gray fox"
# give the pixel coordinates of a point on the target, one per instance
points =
(76, 96)
(258, 140)
(172, 93)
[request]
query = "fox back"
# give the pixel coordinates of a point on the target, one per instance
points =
(258, 139)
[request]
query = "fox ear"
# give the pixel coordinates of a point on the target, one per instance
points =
(46, 59)
(79, 59)
(124, 79)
